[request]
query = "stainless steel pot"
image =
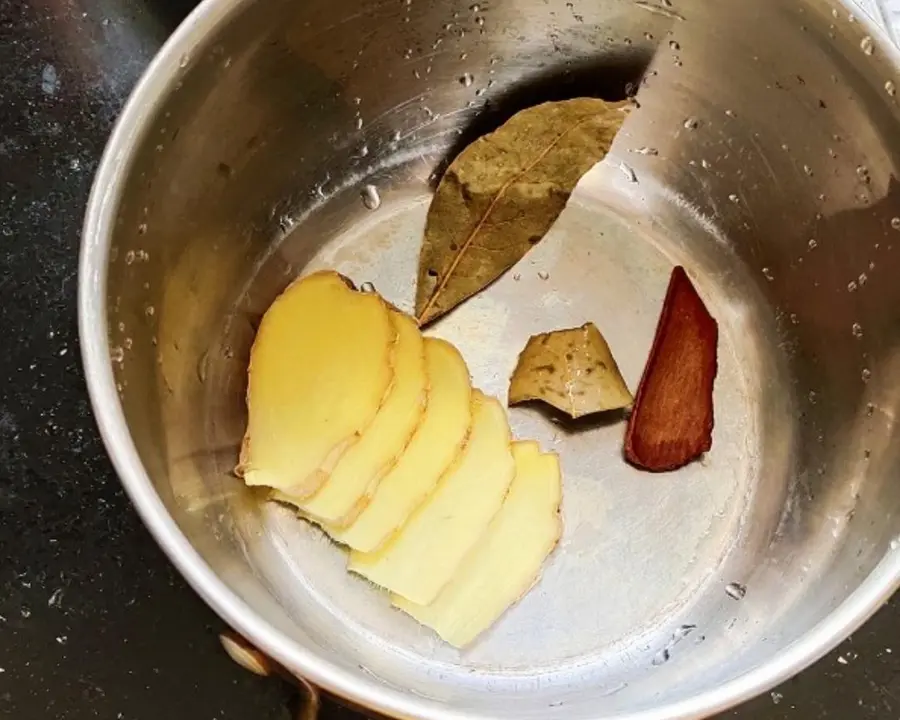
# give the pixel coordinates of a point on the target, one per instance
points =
(270, 137)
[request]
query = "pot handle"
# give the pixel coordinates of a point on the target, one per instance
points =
(250, 658)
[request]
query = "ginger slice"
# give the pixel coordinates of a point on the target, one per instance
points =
(437, 441)
(423, 556)
(320, 368)
(506, 562)
(359, 470)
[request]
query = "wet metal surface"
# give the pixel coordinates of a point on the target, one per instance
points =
(94, 622)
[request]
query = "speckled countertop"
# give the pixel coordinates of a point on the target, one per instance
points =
(94, 621)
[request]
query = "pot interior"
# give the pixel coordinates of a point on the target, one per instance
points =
(763, 154)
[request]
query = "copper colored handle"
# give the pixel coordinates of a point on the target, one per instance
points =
(250, 658)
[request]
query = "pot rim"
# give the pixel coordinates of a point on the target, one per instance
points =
(99, 224)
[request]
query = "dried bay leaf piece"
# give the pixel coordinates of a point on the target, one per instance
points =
(502, 194)
(672, 421)
(573, 370)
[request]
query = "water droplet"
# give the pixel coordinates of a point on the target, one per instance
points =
(734, 198)
(674, 45)
(368, 287)
(396, 136)
(851, 286)
(895, 223)
(870, 409)
(517, 277)
(681, 632)
(363, 151)
(767, 274)
(867, 45)
(866, 375)
(142, 229)
(466, 80)
(812, 397)
(890, 88)
(475, 8)
(776, 697)
(730, 113)
(692, 123)
(463, 56)
(149, 311)
(407, 54)
(129, 257)
(735, 591)
(359, 123)
(479, 21)
(862, 172)
(863, 279)
(370, 197)
(121, 329)
(116, 354)
(648, 36)
(705, 165)
(544, 275)
(794, 319)
(203, 367)
(628, 172)
(183, 63)
(661, 657)
(646, 151)
(812, 244)
(808, 170)
(856, 329)
(286, 223)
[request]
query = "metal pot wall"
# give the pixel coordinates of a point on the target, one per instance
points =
(271, 137)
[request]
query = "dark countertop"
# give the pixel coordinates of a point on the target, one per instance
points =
(94, 621)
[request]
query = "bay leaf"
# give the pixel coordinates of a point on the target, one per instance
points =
(502, 194)
(573, 370)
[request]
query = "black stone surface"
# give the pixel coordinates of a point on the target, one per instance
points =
(94, 621)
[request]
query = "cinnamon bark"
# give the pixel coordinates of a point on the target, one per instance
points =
(672, 420)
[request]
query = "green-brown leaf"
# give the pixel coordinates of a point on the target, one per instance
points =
(502, 194)
(572, 370)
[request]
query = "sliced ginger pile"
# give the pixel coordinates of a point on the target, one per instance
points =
(375, 433)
